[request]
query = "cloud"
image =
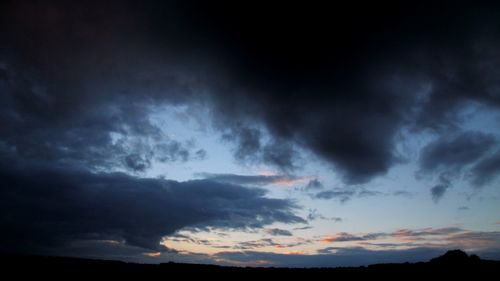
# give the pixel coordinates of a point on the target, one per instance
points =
(81, 84)
(264, 242)
(403, 193)
(250, 148)
(484, 244)
(438, 191)
(363, 96)
(254, 180)
(453, 152)
(268, 242)
(278, 232)
(303, 227)
(47, 207)
(58, 121)
(420, 234)
(313, 214)
(341, 237)
(369, 193)
(431, 238)
(401, 234)
(348, 237)
(342, 196)
(314, 184)
(452, 155)
(476, 239)
(342, 98)
(486, 170)
(341, 257)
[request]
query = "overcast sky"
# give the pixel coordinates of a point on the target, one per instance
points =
(250, 133)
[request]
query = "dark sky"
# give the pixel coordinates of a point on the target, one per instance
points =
(341, 102)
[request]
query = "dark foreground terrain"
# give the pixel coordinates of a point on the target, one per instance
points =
(453, 264)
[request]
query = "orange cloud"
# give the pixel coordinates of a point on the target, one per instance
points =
(295, 253)
(340, 237)
(263, 262)
(328, 239)
(153, 255)
(405, 235)
(286, 182)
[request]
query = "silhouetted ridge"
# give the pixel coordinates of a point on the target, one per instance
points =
(455, 257)
(456, 264)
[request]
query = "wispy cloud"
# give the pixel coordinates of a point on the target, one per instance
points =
(420, 234)
(341, 195)
(278, 232)
(403, 193)
(315, 215)
(348, 237)
(257, 180)
(453, 237)
(345, 194)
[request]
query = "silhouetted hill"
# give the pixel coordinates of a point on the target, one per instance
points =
(455, 257)
(454, 263)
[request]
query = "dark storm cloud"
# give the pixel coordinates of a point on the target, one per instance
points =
(79, 85)
(339, 82)
(95, 129)
(50, 207)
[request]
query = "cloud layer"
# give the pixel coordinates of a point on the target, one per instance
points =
(283, 86)
(48, 208)
(334, 84)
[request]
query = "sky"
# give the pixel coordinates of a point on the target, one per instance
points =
(250, 133)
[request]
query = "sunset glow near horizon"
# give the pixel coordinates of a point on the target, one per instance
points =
(257, 136)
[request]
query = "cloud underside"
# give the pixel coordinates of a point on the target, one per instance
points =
(52, 208)
(316, 87)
